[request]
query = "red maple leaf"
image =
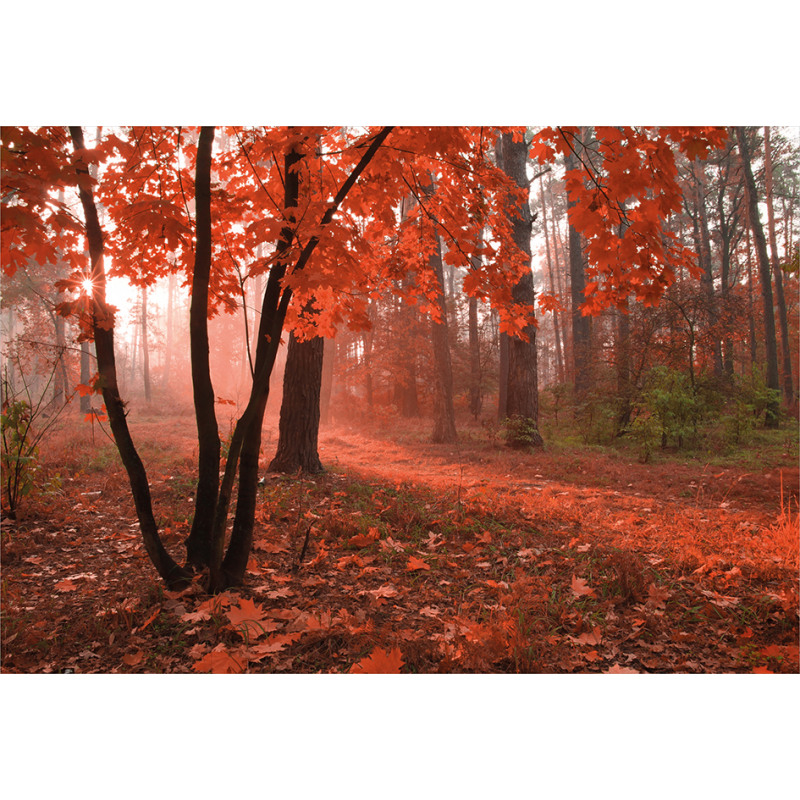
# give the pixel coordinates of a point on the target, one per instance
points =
(416, 563)
(379, 661)
(580, 588)
(219, 661)
(248, 619)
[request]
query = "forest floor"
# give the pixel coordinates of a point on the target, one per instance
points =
(412, 557)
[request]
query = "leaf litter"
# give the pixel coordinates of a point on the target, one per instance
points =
(449, 568)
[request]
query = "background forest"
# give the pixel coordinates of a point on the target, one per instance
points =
(697, 367)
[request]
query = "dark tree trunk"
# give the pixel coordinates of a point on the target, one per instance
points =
(300, 408)
(580, 323)
(172, 573)
(706, 263)
(523, 388)
(786, 357)
(773, 381)
(246, 439)
(198, 544)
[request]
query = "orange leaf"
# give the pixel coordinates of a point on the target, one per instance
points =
(580, 588)
(416, 563)
(773, 651)
(219, 661)
(365, 539)
(379, 661)
(65, 586)
(248, 619)
(763, 671)
(618, 670)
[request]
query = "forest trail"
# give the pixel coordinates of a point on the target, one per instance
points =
(690, 507)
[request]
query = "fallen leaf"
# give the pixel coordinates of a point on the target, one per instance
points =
(133, 659)
(65, 586)
(773, 651)
(762, 671)
(581, 589)
(618, 670)
(593, 637)
(219, 661)
(248, 619)
(365, 539)
(379, 661)
(416, 563)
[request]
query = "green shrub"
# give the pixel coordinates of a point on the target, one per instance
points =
(677, 406)
(20, 454)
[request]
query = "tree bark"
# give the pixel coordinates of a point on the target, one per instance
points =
(300, 408)
(523, 388)
(444, 419)
(773, 382)
(102, 326)
(788, 382)
(580, 323)
(198, 544)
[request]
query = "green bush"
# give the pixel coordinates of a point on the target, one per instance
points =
(676, 405)
(20, 454)
(521, 432)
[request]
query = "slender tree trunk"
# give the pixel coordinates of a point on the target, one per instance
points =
(170, 324)
(556, 327)
(788, 382)
(300, 408)
(773, 382)
(580, 323)
(145, 348)
(198, 544)
(475, 395)
(326, 389)
(86, 375)
(706, 264)
(102, 318)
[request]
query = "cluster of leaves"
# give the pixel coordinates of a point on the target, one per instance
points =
(624, 187)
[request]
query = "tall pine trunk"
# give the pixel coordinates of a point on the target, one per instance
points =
(522, 400)
(773, 381)
(788, 382)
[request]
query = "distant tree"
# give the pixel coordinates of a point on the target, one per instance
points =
(773, 382)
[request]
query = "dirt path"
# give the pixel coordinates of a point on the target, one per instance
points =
(688, 508)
